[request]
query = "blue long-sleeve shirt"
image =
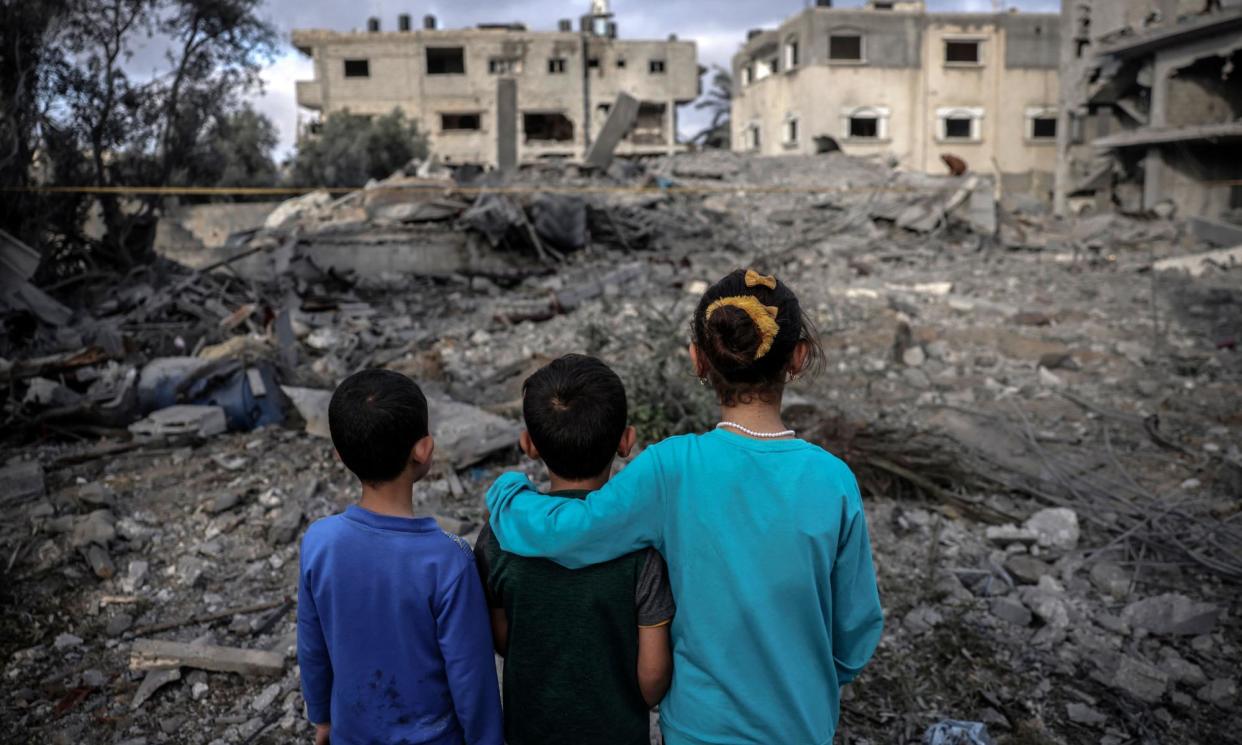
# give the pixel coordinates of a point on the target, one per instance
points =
(394, 641)
(769, 561)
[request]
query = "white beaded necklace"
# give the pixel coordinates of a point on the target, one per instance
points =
(753, 433)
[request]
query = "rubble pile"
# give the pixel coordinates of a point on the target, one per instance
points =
(1043, 417)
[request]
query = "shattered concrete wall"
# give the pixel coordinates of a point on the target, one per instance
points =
(1151, 107)
(191, 233)
(901, 78)
(567, 73)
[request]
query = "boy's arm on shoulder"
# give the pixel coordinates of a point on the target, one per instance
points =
(623, 515)
(462, 628)
(858, 619)
(654, 600)
(484, 549)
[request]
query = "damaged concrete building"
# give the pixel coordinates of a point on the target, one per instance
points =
(891, 79)
(499, 94)
(1151, 108)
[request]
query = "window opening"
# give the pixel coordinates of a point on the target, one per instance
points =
(445, 61)
(459, 122)
(655, 66)
(1044, 128)
(864, 127)
(957, 128)
(961, 52)
(556, 65)
(357, 68)
(504, 66)
(547, 127)
(845, 47)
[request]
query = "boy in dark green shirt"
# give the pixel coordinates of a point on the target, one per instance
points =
(586, 651)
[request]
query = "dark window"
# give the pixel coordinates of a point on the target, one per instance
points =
(957, 128)
(552, 127)
(621, 62)
(655, 66)
(883, 6)
(457, 122)
(966, 52)
(864, 127)
(593, 63)
(791, 131)
(791, 54)
(357, 68)
(556, 65)
(845, 47)
(504, 66)
(445, 61)
(1235, 197)
(1044, 128)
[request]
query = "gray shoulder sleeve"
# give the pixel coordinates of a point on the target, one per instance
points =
(653, 595)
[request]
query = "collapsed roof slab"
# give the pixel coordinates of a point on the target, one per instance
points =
(1148, 136)
(1182, 33)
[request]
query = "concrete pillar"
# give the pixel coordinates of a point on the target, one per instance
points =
(506, 124)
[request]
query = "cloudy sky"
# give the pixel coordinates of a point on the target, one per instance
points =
(719, 27)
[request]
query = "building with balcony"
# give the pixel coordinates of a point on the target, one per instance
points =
(502, 92)
(892, 80)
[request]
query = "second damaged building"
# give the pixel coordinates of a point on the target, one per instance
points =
(500, 94)
(892, 79)
(1152, 107)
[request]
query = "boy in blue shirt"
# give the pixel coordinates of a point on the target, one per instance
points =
(393, 637)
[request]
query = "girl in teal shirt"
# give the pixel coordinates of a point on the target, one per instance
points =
(763, 533)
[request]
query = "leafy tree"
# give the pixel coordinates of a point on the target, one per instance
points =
(350, 149)
(104, 128)
(237, 151)
(719, 100)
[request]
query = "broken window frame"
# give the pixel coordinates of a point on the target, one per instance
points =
(355, 62)
(460, 117)
(977, 44)
(848, 34)
(791, 51)
(753, 137)
(973, 115)
(443, 55)
(880, 115)
(556, 65)
(657, 66)
(1037, 114)
(504, 66)
(528, 139)
(789, 131)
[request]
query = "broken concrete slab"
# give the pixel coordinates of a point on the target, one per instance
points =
(620, 121)
(20, 482)
(155, 654)
(1171, 614)
(1139, 679)
(1056, 527)
(154, 680)
(1196, 264)
(1026, 569)
(1216, 232)
(466, 434)
(1083, 714)
(182, 419)
(1010, 609)
(312, 405)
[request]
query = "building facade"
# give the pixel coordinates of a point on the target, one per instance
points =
(482, 93)
(891, 79)
(1151, 108)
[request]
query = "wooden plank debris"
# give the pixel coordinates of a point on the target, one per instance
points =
(156, 654)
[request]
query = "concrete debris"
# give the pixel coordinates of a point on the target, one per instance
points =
(1195, 265)
(1056, 527)
(1039, 363)
(152, 682)
(181, 420)
(1172, 614)
(1222, 692)
(1139, 679)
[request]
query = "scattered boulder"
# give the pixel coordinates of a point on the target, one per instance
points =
(1083, 714)
(1011, 610)
(1055, 527)
(1026, 569)
(1138, 679)
(1222, 692)
(1110, 579)
(1171, 614)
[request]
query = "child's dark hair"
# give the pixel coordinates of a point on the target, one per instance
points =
(575, 411)
(375, 417)
(747, 327)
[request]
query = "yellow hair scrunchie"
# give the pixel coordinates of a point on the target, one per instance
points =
(755, 279)
(763, 316)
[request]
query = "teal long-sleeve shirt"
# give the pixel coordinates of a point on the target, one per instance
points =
(770, 565)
